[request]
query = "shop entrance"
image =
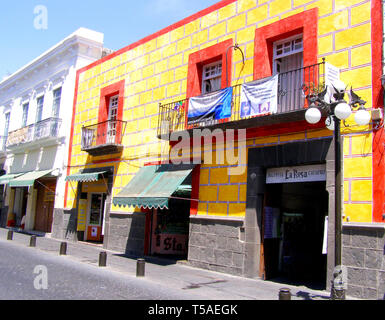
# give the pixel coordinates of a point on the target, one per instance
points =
(95, 217)
(19, 211)
(170, 230)
(45, 205)
(293, 233)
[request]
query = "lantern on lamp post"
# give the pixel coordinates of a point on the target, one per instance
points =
(332, 101)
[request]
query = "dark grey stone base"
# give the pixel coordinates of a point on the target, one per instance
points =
(64, 224)
(363, 254)
(215, 244)
(126, 233)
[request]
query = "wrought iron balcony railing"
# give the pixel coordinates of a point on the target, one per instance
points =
(293, 87)
(104, 137)
(47, 128)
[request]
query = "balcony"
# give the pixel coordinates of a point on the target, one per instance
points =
(41, 132)
(293, 87)
(103, 138)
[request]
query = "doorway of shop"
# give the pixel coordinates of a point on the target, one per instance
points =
(95, 217)
(169, 230)
(293, 233)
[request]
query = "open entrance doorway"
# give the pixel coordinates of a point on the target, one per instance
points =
(95, 217)
(169, 227)
(293, 233)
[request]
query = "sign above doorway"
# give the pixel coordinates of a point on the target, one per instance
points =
(307, 173)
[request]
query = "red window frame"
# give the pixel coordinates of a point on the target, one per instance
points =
(105, 95)
(199, 59)
(305, 23)
(203, 57)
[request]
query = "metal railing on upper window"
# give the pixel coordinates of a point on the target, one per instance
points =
(47, 128)
(103, 133)
(293, 87)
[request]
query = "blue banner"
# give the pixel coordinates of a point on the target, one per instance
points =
(211, 106)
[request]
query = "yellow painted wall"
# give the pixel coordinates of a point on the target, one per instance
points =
(156, 71)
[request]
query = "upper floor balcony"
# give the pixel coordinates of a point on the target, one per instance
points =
(291, 91)
(103, 138)
(41, 132)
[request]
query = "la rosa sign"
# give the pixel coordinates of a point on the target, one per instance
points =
(308, 173)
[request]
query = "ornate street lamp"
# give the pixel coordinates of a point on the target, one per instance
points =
(332, 101)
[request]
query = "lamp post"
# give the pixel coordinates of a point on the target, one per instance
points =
(332, 101)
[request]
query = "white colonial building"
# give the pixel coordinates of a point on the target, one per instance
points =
(36, 105)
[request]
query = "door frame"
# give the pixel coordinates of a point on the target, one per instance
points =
(101, 218)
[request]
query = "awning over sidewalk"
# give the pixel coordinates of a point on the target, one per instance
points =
(6, 178)
(152, 186)
(85, 177)
(28, 179)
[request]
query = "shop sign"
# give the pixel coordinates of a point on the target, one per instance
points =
(171, 243)
(309, 173)
(82, 215)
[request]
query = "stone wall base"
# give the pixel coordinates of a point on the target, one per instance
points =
(363, 254)
(64, 224)
(216, 245)
(126, 233)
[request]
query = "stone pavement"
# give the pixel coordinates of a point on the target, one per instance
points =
(210, 284)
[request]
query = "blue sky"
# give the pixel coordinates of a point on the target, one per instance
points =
(122, 22)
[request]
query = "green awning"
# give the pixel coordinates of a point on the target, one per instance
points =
(85, 177)
(6, 178)
(28, 179)
(152, 186)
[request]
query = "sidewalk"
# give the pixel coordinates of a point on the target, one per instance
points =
(214, 285)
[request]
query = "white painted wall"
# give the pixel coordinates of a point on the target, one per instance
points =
(55, 68)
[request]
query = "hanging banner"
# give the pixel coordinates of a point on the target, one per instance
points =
(259, 97)
(316, 172)
(332, 73)
(212, 106)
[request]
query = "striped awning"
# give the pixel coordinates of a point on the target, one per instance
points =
(28, 179)
(85, 177)
(152, 186)
(6, 178)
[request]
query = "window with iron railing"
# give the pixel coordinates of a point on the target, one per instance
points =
(48, 128)
(103, 133)
(308, 79)
(56, 102)
(211, 77)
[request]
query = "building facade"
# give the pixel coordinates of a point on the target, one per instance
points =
(36, 104)
(168, 157)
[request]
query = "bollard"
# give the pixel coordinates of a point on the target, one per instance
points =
(63, 248)
(32, 241)
(102, 259)
(10, 235)
(140, 264)
(284, 294)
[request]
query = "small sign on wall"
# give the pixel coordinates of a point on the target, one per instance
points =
(94, 232)
(82, 215)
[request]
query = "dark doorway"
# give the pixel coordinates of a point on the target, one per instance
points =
(293, 233)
